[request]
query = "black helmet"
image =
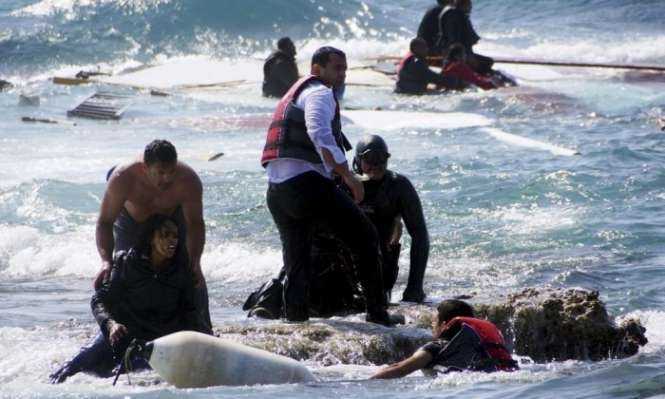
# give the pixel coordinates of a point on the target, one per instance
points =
(372, 149)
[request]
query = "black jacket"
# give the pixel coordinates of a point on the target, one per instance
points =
(429, 29)
(150, 304)
(394, 196)
(280, 72)
(415, 75)
(455, 27)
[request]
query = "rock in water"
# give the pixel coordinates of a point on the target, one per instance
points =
(544, 324)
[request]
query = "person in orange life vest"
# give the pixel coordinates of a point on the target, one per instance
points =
(304, 147)
(456, 67)
(413, 74)
(461, 342)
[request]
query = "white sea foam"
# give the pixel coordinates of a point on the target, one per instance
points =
(654, 322)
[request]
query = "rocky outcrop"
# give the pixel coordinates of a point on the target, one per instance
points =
(543, 324)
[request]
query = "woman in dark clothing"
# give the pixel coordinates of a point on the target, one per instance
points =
(150, 293)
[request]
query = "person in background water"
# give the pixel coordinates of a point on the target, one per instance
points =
(461, 342)
(304, 147)
(150, 294)
(455, 27)
(429, 28)
(413, 74)
(460, 75)
(280, 70)
(390, 198)
(156, 184)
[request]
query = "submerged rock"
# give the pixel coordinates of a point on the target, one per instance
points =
(543, 324)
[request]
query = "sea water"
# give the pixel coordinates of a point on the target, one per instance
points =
(501, 216)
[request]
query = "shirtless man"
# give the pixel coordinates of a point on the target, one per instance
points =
(157, 183)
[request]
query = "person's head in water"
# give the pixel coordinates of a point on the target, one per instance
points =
(418, 47)
(329, 64)
(159, 239)
(286, 46)
(371, 157)
(448, 310)
(456, 53)
(160, 159)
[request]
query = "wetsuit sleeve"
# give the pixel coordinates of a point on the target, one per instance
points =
(319, 109)
(411, 211)
(109, 294)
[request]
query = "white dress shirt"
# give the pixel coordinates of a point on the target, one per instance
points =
(318, 102)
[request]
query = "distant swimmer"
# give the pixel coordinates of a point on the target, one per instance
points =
(390, 198)
(455, 27)
(156, 184)
(459, 73)
(461, 342)
(150, 294)
(429, 29)
(413, 74)
(280, 70)
(304, 147)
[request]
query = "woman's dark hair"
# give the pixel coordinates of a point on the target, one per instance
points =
(150, 226)
(451, 308)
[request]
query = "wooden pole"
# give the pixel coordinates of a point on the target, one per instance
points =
(500, 60)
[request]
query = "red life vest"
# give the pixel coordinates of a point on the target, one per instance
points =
(287, 135)
(404, 61)
(491, 340)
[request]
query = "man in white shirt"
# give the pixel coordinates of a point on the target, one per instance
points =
(304, 147)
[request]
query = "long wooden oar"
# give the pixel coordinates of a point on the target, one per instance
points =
(500, 60)
(582, 64)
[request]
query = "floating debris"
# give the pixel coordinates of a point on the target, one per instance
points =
(102, 105)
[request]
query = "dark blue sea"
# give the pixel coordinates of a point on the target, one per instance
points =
(505, 211)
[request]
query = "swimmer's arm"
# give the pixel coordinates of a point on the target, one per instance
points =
(192, 208)
(417, 361)
(112, 203)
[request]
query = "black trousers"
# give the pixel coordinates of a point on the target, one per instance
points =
(299, 204)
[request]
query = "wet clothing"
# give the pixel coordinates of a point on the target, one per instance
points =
(150, 304)
(413, 76)
(455, 27)
(462, 75)
(385, 201)
(429, 29)
(298, 206)
(334, 282)
(301, 194)
(468, 343)
(126, 231)
(280, 72)
(306, 120)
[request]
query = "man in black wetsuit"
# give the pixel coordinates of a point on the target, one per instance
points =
(413, 74)
(428, 29)
(280, 70)
(455, 27)
(390, 198)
